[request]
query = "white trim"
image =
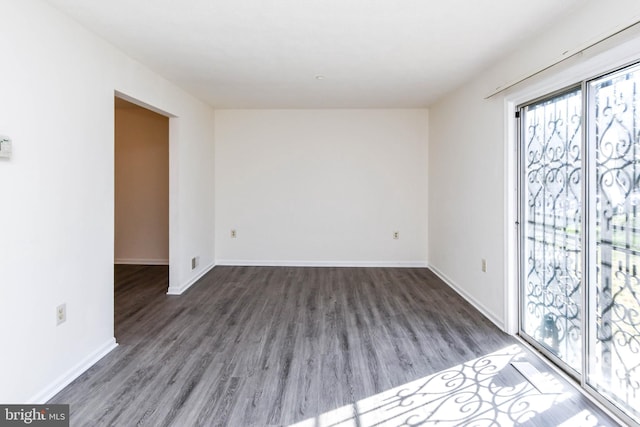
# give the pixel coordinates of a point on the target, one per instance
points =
(174, 201)
(616, 54)
(141, 261)
(65, 379)
(139, 103)
(470, 299)
(179, 290)
(272, 263)
(603, 42)
(511, 216)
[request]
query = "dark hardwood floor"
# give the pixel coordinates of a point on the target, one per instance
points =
(267, 346)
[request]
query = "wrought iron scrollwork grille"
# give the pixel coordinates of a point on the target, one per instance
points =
(552, 233)
(615, 366)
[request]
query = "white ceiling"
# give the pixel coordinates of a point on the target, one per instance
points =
(267, 53)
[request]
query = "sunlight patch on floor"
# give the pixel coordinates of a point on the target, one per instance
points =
(468, 394)
(581, 419)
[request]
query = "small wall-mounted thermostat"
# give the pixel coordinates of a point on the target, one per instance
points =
(5, 146)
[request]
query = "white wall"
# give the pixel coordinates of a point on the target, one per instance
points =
(57, 196)
(321, 187)
(471, 175)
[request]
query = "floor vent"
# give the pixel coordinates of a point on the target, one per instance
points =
(544, 382)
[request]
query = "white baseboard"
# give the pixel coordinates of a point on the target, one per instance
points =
(470, 299)
(64, 380)
(263, 263)
(141, 261)
(179, 290)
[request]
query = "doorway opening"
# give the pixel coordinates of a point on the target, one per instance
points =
(141, 207)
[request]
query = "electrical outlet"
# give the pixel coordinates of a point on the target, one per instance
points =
(396, 235)
(234, 234)
(195, 261)
(61, 314)
(484, 265)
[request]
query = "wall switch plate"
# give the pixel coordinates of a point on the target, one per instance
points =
(61, 314)
(396, 235)
(5, 146)
(194, 262)
(484, 265)
(234, 234)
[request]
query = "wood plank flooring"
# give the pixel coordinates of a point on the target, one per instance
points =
(280, 346)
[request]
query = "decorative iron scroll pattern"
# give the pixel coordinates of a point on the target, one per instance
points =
(487, 391)
(552, 225)
(615, 366)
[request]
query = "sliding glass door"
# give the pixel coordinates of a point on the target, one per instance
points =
(551, 295)
(580, 233)
(614, 235)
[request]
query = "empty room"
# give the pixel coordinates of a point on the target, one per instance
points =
(318, 213)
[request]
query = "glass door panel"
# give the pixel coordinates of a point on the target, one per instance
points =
(551, 165)
(614, 293)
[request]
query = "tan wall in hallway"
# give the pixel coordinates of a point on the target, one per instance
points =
(141, 185)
